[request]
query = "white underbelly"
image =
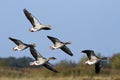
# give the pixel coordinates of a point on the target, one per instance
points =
(41, 61)
(91, 62)
(58, 45)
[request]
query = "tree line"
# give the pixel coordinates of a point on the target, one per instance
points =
(66, 67)
(23, 62)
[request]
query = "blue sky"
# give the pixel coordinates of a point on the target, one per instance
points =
(88, 24)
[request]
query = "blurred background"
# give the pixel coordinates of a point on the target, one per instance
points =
(88, 24)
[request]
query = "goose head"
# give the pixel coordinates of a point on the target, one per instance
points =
(52, 47)
(32, 64)
(51, 58)
(32, 30)
(16, 48)
(86, 63)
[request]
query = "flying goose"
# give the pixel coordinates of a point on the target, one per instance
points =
(93, 59)
(40, 60)
(20, 44)
(58, 44)
(37, 26)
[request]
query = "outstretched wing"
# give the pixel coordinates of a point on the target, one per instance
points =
(16, 41)
(98, 66)
(67, 50)
(50, 67)
(33, 20)
(35, 53)
(89, 53)
(53, 39)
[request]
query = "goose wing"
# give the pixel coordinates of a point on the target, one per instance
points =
(98, 66)
(53, 39)
(50, 67)
(35, 53)
(67, 50)
(16, 41)
(90, 53)
(33, 20)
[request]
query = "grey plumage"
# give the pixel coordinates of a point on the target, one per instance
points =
(62, 45)
(93, 59)
(20, 44)
(37, 26)
(38, 56)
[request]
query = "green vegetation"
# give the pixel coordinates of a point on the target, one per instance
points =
(18, 69)
(115, 61)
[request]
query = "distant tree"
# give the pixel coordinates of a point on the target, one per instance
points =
(16, 62)
(115, 61)
(10, 61)
(22, 62)
(3, 62)
(66, 63)
(67, 67)
(82, 60)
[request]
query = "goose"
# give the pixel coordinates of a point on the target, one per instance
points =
(37, 26)
(93, 59)
(59, 44)
(20, 45)
(40, 60)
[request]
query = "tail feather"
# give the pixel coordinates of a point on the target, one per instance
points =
(47, 27)
(68, 42)
(32, 45)
(52, 58)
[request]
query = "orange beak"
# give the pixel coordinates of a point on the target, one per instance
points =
(31, 30)
(14, 49)
(51, 48)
